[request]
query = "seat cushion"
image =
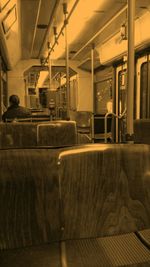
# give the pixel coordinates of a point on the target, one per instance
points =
(123, 250)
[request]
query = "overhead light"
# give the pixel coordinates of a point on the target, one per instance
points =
(42, 26)
(72, 52)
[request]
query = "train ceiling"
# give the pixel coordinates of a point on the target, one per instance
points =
(38, 17)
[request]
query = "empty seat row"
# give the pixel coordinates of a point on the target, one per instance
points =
(87, 206)
(55, 133)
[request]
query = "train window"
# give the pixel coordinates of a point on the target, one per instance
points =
(145, 91)
(122, 90)
(34, 78)
(3, 84)
(43, 97)
(5, 93)
(103, 95)
(31, 91)
(73, 94)
(122, 94)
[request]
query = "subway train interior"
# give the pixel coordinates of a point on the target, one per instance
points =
(75, 171)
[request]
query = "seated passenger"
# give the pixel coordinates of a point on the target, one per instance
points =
(15, 111)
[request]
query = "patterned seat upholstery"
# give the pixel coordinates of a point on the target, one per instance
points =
(86, 206)
(27, 134)
(107, 188)
(105, 198)
(28, 194)
(142, 131)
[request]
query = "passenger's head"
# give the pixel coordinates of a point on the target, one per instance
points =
(14, 100)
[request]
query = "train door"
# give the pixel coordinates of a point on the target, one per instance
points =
(3, 87)
(61, 100)
(103, 103)
(143, 87)
(121, 92)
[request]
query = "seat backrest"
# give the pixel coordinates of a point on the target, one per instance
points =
(83, 118)
(105, 190)
(57, 133)
(18, 135)
(83, 138)
(21, 135)
(142, 131)
(19, 120)
(29, 193)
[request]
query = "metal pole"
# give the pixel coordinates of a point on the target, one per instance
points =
(92, 88)
(67, 56)
(50, 83)
(49, 65)
(50, 72)
(1, 96)
(148, 87)
(130, 71)
(26, 92)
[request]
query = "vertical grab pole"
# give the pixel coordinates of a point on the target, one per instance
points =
(1, 96)
(50, 79)
(50, 70)
(130, 71)
(148, 86)
(67, 55)
(92, 88)
(105, 129)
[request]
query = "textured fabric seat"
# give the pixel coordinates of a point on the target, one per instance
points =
(142, 131)
(86, 206)
(122, 250)
(18, 135)
(39, 256)
(83, 138)
(55, 133)
(83, 120)
(29, 193)
(106, 187)
(104, 194)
